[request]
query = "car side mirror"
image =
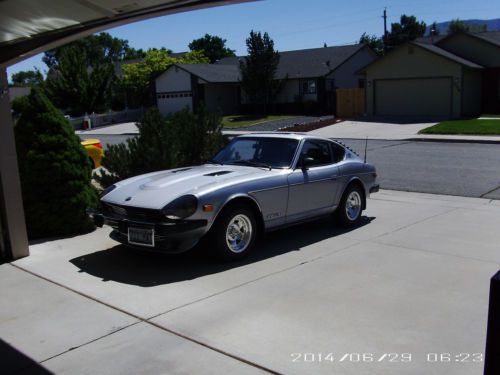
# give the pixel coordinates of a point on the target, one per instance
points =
(306, 162)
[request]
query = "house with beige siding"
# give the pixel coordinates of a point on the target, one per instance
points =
(309, 80)
(454, 76)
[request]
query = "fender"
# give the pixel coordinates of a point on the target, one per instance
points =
(230, 199)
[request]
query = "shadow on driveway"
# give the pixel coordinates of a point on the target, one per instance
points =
(146, 269)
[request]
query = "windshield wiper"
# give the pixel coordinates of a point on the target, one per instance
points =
(212, 161)
(252, 163)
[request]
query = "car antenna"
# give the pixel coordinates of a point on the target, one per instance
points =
(366, 146)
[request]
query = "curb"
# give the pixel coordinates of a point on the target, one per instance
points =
(437, 140)
(454, 140)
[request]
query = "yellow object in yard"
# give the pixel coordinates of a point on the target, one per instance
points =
(95, 151)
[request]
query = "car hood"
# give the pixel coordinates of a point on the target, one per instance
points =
(155, 190)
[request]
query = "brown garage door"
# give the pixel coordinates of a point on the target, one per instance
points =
(413, 97)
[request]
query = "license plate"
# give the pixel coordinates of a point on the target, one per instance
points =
(141, 236)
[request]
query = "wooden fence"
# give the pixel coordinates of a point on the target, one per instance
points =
(350, 102)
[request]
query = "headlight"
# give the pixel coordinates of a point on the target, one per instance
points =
(180, 208)
(108, 190)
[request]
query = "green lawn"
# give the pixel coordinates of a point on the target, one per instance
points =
(238, 121)
(479, 127)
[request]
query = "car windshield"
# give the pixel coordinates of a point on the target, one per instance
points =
(258, 152)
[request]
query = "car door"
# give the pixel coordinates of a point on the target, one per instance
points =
(313, 190)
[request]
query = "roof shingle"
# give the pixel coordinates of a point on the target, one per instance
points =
(213, 73)
(307, 63)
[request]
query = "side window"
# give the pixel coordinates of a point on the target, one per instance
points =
(319, 151)
(338, 152)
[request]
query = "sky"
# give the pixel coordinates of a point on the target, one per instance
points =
(292, 24)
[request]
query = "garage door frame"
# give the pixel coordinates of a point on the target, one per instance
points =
(375, 81)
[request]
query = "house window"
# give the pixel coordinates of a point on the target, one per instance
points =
(361, 83)
(309, 86)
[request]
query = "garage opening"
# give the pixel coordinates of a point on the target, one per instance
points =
(414, 97)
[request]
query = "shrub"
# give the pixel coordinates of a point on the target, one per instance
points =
(55, 171)
(186, 138)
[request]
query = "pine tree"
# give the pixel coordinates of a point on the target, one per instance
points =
(55, 171)
(258, 70)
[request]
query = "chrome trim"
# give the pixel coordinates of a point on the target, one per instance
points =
(268, 189)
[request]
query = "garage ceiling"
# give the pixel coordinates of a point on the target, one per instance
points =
(28, 27)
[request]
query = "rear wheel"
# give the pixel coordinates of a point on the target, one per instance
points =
(235, 232)
(351, 206)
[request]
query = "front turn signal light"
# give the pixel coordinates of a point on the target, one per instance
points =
(208, 207)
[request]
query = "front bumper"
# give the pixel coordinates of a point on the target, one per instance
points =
(374, 188)
(169, 236)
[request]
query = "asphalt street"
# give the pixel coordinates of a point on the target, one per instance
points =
(463, 169)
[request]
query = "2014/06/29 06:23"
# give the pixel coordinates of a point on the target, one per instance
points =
(386, 357)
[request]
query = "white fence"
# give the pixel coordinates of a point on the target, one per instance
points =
(101, 119)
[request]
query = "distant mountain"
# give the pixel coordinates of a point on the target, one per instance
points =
(492, 25)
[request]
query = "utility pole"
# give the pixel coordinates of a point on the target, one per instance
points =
(385, 30)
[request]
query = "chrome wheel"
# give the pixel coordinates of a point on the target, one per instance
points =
(239, 233)
(353, 205)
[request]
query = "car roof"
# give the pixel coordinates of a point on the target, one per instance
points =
(297, 136)
(286, 135)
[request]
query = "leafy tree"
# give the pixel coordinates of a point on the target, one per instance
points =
(258, 70)
(186, 138)
(80, 84)
(101, 47)
(457, 25)
(374, 42)
(133, 54)
(407, 29)
(27, 78)
(19, 104)
(55, 171)
(81, 74)
(138, 78)
(213, 47)
(434, 29)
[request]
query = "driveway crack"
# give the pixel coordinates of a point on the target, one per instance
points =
(141, 320)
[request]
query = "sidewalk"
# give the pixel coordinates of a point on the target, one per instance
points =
(342, 130)
(390, 131)
(413, 278)
(125, 128)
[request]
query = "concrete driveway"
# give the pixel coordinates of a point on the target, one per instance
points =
(388, 297)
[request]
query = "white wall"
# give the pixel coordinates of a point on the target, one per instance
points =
(173, 91)
(289, 92)
(174, 79)
(345, 75)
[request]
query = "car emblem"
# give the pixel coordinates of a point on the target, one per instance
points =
(129, 198)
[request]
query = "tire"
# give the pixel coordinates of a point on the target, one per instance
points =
(351, 206)
(234, 233)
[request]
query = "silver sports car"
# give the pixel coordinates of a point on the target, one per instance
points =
(256, 183)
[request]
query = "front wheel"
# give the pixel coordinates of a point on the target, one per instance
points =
(234, 233)
(351, 206)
